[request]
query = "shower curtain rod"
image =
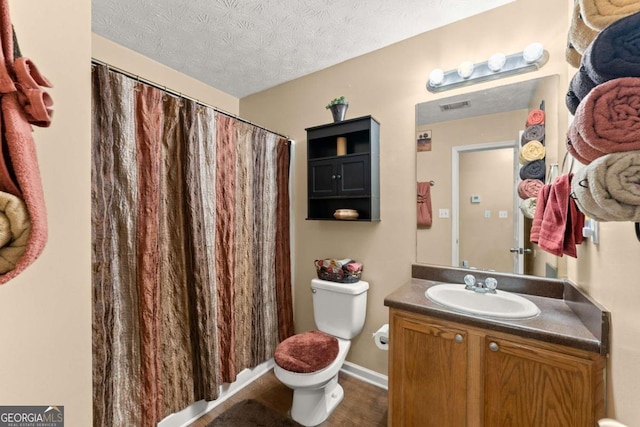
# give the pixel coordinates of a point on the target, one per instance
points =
(180, 95)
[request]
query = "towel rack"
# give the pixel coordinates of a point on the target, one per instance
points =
(432, 183)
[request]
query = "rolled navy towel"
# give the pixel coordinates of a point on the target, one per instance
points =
(579, 87)
(615, 52)
(533, 170)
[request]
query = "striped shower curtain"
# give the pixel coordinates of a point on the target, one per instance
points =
(190, 250)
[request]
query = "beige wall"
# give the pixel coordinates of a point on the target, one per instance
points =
(387, 84)
(122, 58)
(45, 313)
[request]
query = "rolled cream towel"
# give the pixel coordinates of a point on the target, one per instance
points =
(15, 229)
(580, 34)
(529, 188)
(584, 199)
(528, 207)
(599, 14)
(572, 56)
(531, 151)
(606, 121)
(609, 188)
(533, 133)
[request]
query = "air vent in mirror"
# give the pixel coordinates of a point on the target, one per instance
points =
(455, 105)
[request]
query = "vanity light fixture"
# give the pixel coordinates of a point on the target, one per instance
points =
(497, 66)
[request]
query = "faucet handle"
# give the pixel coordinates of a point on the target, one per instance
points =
(491, 283)
(470, 281)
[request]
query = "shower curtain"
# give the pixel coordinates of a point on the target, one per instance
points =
(190, 250)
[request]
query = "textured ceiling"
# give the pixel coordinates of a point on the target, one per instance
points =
(245, 46)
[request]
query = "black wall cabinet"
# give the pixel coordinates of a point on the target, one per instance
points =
(348, 181)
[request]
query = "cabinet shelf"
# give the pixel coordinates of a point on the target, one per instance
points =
(345, 178)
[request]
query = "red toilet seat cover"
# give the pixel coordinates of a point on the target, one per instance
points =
(307, 352)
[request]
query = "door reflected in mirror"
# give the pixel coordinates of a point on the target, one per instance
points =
(474, 139)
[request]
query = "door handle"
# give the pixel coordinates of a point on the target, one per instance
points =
(520, 251)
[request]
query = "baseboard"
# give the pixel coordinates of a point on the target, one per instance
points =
(366, 375)
(194, 411)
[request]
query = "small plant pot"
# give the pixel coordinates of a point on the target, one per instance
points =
(339, 111)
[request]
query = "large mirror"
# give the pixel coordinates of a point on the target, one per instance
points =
(467, 153)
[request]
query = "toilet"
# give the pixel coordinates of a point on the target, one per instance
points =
(309, 362)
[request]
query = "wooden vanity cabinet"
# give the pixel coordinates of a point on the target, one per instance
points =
(447, 374)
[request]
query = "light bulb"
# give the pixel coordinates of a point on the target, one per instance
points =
(465, 69)
(533, 52)
(436, 77)
(496, 62)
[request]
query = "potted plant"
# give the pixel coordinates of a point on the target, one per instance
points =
(338, 107)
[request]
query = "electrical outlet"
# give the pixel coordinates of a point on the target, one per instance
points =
(443, 213)
(502, 214)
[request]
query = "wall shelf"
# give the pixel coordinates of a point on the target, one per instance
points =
(344, 181)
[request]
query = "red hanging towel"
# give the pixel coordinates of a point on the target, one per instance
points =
(425, 216)
(23, 103)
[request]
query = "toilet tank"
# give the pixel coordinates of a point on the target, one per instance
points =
(339, 309)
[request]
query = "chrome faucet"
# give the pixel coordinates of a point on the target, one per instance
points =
(488, 286)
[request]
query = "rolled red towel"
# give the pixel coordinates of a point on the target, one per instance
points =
(529, 188)
(535, 117)
(606, 121)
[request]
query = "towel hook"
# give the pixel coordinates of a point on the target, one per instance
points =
(432, 183)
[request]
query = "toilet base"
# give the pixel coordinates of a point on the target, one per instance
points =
(312, 406)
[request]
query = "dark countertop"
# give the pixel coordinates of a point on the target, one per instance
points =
(567, 317)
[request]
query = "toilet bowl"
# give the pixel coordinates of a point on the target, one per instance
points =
(309, 362)
(315, 394)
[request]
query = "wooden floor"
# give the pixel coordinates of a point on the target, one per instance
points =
(363, 404)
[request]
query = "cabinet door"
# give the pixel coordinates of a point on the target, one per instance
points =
(323, 178)
(526, 386)
(428, 375)
(354, 175)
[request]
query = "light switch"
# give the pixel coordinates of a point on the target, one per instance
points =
(487, 213)
(443, 213)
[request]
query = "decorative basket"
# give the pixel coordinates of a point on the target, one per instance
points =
(338, 270)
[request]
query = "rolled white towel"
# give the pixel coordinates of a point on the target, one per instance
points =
(608, 189)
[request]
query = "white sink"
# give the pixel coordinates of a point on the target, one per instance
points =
(504, 305)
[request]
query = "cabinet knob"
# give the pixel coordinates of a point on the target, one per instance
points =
(459, 338)
(333, 177)
(339, 177)
(494, 347)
